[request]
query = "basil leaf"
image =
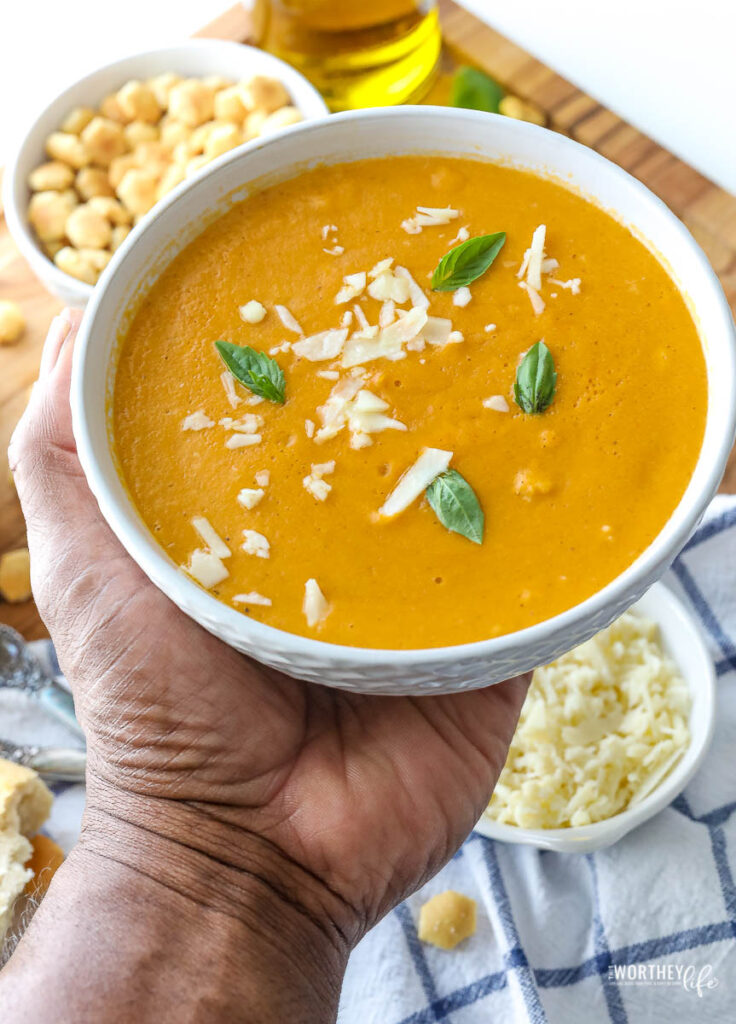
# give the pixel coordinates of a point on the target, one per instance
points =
(467, 261)
(474, 90)
(254, 370)
(536, 380)
(456, 506)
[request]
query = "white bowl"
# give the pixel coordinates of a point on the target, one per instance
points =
(180, 218)
(195, 58)
(684, 642)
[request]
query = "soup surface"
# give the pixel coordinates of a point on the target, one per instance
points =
(570, 495)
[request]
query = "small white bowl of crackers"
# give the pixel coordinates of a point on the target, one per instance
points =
(99, 157)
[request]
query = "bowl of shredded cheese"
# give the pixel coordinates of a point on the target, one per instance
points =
(610, 733)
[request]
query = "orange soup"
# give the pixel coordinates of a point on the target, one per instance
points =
(449, 400)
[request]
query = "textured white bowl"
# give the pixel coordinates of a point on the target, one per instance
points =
(195, 58)
(683, 640)
(356, 135)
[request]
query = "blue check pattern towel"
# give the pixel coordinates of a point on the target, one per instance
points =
(644, 931)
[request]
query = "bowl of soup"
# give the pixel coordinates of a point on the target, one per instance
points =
(407, 401)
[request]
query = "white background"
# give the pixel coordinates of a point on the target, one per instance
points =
(668, 66)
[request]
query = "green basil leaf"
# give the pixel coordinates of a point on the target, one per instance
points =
(467, 261)
(474, 90)
(536, 380)
(254, 370)
(456, 506)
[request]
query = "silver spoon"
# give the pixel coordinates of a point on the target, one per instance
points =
(55, 764)
(19, 670)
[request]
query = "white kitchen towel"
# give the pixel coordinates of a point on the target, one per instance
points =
(644, 931)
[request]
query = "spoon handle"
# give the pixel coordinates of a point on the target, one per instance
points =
(56, 764)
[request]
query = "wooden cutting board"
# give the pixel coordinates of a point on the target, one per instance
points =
(708, 211)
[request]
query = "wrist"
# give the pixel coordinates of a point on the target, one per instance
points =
(279, 935)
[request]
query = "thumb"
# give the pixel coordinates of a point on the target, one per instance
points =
(70, 544)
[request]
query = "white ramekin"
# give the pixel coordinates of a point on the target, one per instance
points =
(684, 641)
(180, 217)
(195, 58)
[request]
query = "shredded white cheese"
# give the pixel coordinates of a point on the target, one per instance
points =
(333, 414)
(314, 484)
(462, 236)
(242, 440)
(328, 374)
(263, 478)
(252, 312)
(229, 385)
(600, 728)
(285, 346)
(415, 481)
(360, 317)
(387, 314)
(352, 286)
(288, 320)
(389, 285)
(252, 598)
(429, 216)
(437, 330)
(206, 568)
(320, 347)
(336, 250)
(366, 415)
(534, 297)
(416, 295)
(249, 497)
(255, 543)
(461, 296)
(489, 328)
(328, 229)
(319, 489)
(315, 606)
(211, 537)
(385, 343)
(497, 402)
(380, 267)
(309, 428)
(572, 285)
(536, 256)
(197, 421)
(247, 424)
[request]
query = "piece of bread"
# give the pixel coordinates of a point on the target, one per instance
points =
(25, 799)
(25, 802)
(15, 850)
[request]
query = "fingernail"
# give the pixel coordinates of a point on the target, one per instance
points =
(58, 331)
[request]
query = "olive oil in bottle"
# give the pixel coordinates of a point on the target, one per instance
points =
(358, 53)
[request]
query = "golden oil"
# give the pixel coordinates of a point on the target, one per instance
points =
(357, 53)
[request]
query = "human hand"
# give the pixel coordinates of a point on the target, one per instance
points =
(338, 805)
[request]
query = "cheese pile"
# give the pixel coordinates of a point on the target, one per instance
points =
(600, 729)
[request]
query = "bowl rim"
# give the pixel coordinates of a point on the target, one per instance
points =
(303, 94)
(585, 838)
(655, 557)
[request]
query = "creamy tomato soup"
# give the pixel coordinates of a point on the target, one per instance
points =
(304, 504)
